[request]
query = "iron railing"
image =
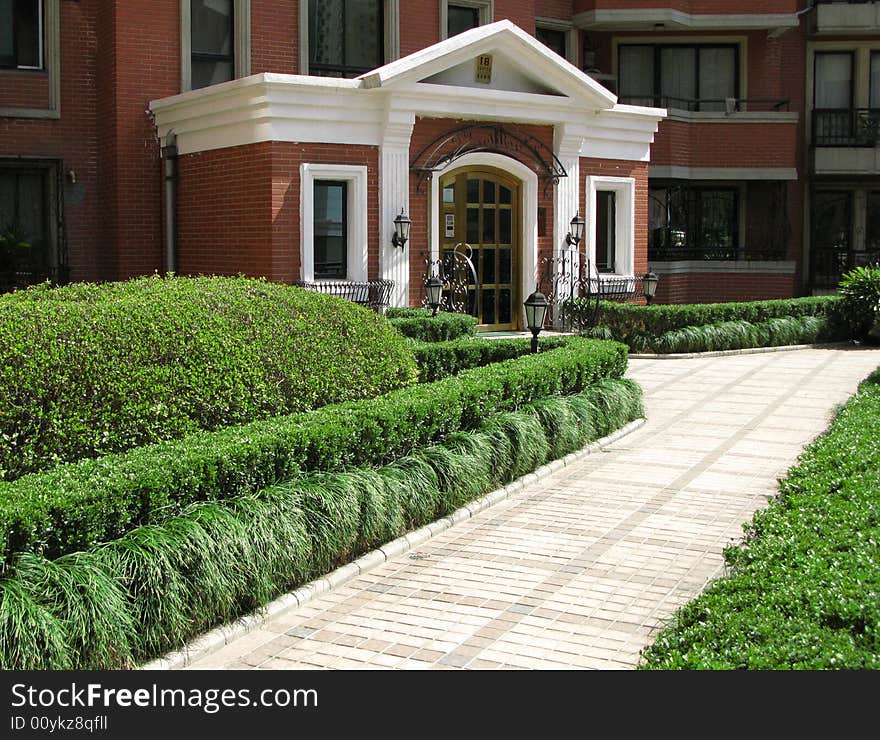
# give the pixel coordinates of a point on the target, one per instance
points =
(850, 127)
(829, 265)
(375, 294)
(672, 252)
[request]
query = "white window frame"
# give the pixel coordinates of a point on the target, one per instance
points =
(241, 42)
(356, 209)
(50, 63)
(486, 8)
(624, 189)
(571, 35)
(391, 33)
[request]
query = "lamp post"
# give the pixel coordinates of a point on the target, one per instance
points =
(434, 287)
(649, 283)
(401, 230)
(575, 231)
(536, 310)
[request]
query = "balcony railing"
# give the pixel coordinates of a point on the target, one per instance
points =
(718, 105)
(829, 265)
(848, 127)
(710, 252)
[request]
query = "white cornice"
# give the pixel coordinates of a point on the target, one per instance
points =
(680, 267)
(735, 117)
(635, 19)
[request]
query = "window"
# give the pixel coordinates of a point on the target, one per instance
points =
(345, 37)
(832, 220)
(875, 80)
(833, 86)
(688, 77)
(872, 225)
(330, 237)
(463, 15)
(554, 39)
(688, 222)
(606, 219)
(21, 34)
(213, 30)
(333, 222)
(25, 211)
(611, 208)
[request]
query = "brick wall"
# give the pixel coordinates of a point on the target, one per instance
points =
(275, 37)
(24, 89)
(239, 207)
(720, 287)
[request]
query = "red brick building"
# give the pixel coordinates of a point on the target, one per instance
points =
(282, 138)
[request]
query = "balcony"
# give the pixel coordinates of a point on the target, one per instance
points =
(846, 141)
(847, 16)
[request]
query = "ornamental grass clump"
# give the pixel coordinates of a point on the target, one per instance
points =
(860, 302)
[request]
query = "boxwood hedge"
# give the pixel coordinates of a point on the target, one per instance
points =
(419, 324)
(75, 506)
(94, 369)
(804, 588)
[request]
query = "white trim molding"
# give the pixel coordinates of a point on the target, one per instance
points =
(51, 58)
(528, 207)
(624, 189)
(356, 177)
(486, 8)
(674, 172)
(241, 43)
(684, 267)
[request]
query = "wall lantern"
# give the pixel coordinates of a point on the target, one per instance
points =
(536, 306)
(401, 230)
(649, 283)
(575, 231)
(434, 287)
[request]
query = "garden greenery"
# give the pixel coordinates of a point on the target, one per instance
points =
(804, 586)
(90, 369)
(72, 507)
(419, 324)
(129, 600)
(860, 302)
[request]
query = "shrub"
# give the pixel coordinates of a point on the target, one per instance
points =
(90, 370)
(860, 302)
(165, 583)
(639, 326)
(419, 324)
(76, 506)
(438, 360)
(804, 585)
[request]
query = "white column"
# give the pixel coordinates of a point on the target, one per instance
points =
(568, 200)
(394, 195)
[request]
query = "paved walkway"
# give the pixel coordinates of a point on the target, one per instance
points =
(580, 569)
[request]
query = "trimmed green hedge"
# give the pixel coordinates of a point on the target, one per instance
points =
(804, 590)
(90, 370)
(438, 360)
(419, 324)
(73, 507)
(161, 585)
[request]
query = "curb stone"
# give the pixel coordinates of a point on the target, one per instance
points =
(224, 634)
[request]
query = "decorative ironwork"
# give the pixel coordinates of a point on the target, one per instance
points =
(374, 294)
(575, 290)
(482, 137)
(829, 265)
(456, 269)
(849, 127)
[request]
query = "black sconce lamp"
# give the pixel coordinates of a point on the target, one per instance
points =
(575, 231)
(401, 230)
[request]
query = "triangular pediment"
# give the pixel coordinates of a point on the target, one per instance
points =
(498, 56)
